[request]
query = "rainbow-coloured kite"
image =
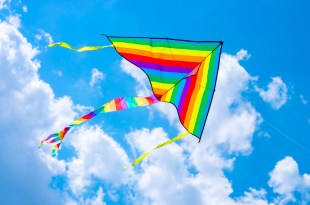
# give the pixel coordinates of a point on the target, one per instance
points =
(180, 72)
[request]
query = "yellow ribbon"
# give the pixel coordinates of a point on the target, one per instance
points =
(86, 48)
(144, 155)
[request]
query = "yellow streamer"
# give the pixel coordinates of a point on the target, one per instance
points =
(144, 155)
(86, 48)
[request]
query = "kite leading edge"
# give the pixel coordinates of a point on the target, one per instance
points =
(180, 72)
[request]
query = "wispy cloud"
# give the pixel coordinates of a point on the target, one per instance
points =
(25, 8)
(276, 93)
(303, 100)
(43, 36)
(96, 77)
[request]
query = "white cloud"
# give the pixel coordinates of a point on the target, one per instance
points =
(14, 20)
(285, 180)
(142, 88)
(43, 35)
(57, 72)
(254, 197)
(276, 94)
(303, 100)
(99, 156)
(97, 200)
(24, 100)
(25, 8)
(243, 55)
(96, 77)
(3, 4)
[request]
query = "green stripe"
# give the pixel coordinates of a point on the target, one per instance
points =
(161, 79)
(207, 92)
(211, 68)
(168, 43)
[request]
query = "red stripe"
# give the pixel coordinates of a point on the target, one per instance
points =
(118, 104)
(150, 100)
(188, 98)
(158, 61)
(87, 117)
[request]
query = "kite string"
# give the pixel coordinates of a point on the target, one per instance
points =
(285, 135)
(114, 105)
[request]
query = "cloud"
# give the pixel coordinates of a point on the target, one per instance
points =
(243, 55)
(97, 156)
(253, 197)
(25, 8)
(43, 35)
(286, 180)
(24, 99)
(276, 94)
(57, 72)
(97, 200)
(143, 87)
(303, 100)
(96, 77)
(3, 4)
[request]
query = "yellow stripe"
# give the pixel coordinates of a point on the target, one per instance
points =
(107, 108)
(163, 86)
(138, 100)
(144, 155)
(194, 115)
(78, 121)
(205, 70)
(164, 50)
(167, 96)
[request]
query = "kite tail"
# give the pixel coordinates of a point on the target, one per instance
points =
(117, 104)
(145, 154)
(86, 48)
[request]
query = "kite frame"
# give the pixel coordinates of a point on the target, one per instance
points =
(218, 66)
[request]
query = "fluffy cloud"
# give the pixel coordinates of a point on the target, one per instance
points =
(285, 180)
(24, 100)
(96, 77)
(98, 156)
(276, 94)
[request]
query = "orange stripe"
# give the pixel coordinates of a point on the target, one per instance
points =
(158, 91)
(195, 59)
(112, 105)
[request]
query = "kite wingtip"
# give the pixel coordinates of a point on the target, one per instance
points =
(221, 42)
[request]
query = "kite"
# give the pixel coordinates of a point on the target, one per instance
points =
(181, 72)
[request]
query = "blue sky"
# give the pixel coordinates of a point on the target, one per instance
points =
(245, 157)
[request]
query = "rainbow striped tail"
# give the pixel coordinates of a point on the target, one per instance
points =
(117, 104)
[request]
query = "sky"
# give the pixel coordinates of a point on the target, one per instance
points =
(255, 148)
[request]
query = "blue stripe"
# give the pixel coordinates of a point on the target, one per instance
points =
(164, 74)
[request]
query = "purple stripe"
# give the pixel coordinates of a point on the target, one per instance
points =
(184, 92)
(174, 69)
(123, 103)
